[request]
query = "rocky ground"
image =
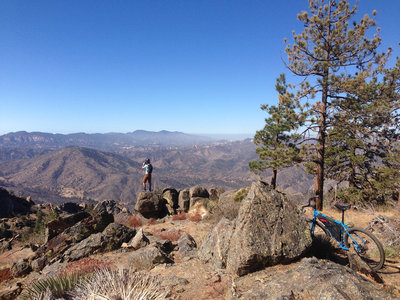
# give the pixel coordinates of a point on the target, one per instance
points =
(203, 248)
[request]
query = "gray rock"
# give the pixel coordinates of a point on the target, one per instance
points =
(195, 200)
(226, 206)
(171, 196)
(39, 263)
(11, 205)
(215, 247)
(56, 226)
(5, 246)
(215, 193)
(308, 279)
(107, 206)
(184, 200)
(148, 257)
(185, 245)
(139, 240)
(269, 230)
(198, 191)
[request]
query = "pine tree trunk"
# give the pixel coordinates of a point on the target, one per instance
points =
(273, 179)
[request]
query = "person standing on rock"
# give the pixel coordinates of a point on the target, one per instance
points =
(148, 169)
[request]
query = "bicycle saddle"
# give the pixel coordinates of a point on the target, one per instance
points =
(342, 207)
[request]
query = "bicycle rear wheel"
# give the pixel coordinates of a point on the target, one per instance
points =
(367, 247)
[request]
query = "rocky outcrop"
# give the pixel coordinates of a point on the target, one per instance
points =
(110, 239)
(150, 205)
(109, 206)
(184, 200)
(56, 226)
(138, 241)
(308, 279)
(186, 246)
(11, 205)
(269, 230)
(69, 207)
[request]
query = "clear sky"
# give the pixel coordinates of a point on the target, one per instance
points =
(201, 66)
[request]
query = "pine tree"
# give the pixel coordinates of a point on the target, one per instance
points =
(327, 53)
(277, 139)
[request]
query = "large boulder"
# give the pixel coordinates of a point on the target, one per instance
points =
(69, 207)
(170, 195)
(215, 193)
(226, 207)
(11, 205)
(198, 191)
(215, 247)
(150, 205)
(269, 230)
(308, 279)
(107, 206)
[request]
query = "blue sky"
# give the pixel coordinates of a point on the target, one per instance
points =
(118, 66)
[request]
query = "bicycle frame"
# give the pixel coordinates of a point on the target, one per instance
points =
(344, 229)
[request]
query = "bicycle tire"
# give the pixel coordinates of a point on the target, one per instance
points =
(371, 250)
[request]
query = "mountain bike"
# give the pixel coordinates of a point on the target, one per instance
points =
(365, 244)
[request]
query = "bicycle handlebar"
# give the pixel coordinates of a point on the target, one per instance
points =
(311, 203)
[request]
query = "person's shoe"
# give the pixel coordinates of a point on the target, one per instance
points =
(150, 190)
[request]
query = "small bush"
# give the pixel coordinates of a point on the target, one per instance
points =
(134, 221)
(194, 217)
(181, 216)
(171, 235)
(120, 284)
(86, 266)
(241, 194)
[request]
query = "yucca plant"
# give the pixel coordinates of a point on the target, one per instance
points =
(53, 286)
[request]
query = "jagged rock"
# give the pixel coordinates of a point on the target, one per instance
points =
(171, 196)
(108, 206)
(226, 207)
(164, 245)
(360, 266)
(150, 205)
(70, 207)
(39, 263)
(148, 257)
(20, 268)
(269, 230)
(184, 200)
(215, 193)
(214, 248)
(185, 245)
(200, 200)
(56, 226)
(308, 279)
(198, 191)
(11, 205)
(111, 238)
(5, 246)
(138, 241)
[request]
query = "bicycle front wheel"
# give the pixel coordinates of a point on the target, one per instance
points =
(319, 230)
(367, 247)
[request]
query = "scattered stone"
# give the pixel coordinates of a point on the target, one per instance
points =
(39, 263)
(185, 246)
(215, 193)
(56, 226)
(12, 292)
(107, 206)
(69, 207)
(5, 246)
(138, 241)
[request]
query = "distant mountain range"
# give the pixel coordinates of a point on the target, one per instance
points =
(102, 141)
(37, 165)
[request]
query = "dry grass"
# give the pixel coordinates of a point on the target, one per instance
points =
(171, 235)
(5, 274)
(194, 217)
(180, 217)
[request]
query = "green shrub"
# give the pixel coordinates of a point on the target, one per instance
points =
(241, 194)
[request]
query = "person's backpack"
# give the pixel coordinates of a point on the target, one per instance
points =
(150, 168)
